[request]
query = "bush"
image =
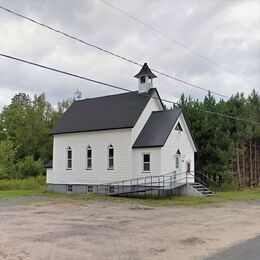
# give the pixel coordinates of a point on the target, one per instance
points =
(28, 168)
(3, 172)
(32, 183)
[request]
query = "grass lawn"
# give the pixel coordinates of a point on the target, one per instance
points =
(220, 197)
(5, 194)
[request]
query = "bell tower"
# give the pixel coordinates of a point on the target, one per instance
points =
(145, 79)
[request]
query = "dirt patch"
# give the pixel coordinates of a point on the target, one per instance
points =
(105, 230)
(192, 241)
(140, 207)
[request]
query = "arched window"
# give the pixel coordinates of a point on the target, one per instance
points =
(89, 158)
(110, 157)
(143, 79)
(69, 158)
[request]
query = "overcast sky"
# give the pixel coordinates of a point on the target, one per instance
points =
(226, 32)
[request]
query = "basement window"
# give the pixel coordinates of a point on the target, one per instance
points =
(69, 188)
(178, 127)
(111, 189)
(146, 162)
(90, 188)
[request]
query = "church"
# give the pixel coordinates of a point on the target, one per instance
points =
(120, 137)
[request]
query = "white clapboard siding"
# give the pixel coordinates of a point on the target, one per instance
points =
(99, 142)
(155, 165)
(178, 140)
(49, 174)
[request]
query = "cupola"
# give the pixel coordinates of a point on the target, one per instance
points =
(145, 79)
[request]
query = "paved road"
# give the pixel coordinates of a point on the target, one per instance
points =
(248, 250)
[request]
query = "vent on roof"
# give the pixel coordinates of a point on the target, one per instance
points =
(178, 127)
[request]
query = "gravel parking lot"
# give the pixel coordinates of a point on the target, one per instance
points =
(41, 228)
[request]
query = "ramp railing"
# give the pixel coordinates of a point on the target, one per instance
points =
(168, 181)
(144, 184)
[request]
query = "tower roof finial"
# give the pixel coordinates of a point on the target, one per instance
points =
(145, 71)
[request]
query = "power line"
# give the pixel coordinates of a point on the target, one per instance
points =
(116, 87)
(174, 41)
(109, 52)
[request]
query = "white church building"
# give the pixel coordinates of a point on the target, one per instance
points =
(119, 137)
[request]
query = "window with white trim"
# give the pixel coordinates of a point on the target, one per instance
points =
(69, 158)
(146, 162)
(178, 160)
(89, 158)
(110, 157)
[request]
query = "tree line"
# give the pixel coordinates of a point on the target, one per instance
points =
(229, 150)
(25, 140)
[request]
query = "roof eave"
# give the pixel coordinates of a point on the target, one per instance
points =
(95, 130)
(140, 74)
(145, 146)
(192, 136)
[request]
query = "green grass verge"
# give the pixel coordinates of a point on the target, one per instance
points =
(6, 194)
(219, 198)
(32, 183)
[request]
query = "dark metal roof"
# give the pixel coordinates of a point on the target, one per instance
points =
(104, 113)
(48, 165)
(157, 128)
(145, 71)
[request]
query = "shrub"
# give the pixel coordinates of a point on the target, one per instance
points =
(28, 168)
(32, 183)
(3, 172)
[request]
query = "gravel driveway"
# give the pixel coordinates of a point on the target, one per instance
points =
(40, 228)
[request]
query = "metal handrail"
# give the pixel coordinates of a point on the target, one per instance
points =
(146, 177)
(135, 179)
(202, 182)
(204, 175)
(145, 183)
(159, 183)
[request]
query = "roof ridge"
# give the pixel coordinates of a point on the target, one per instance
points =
(136, 92)
(106, 112)
(168, 110)
(133, 92)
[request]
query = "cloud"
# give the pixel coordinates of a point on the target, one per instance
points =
(225, 32)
